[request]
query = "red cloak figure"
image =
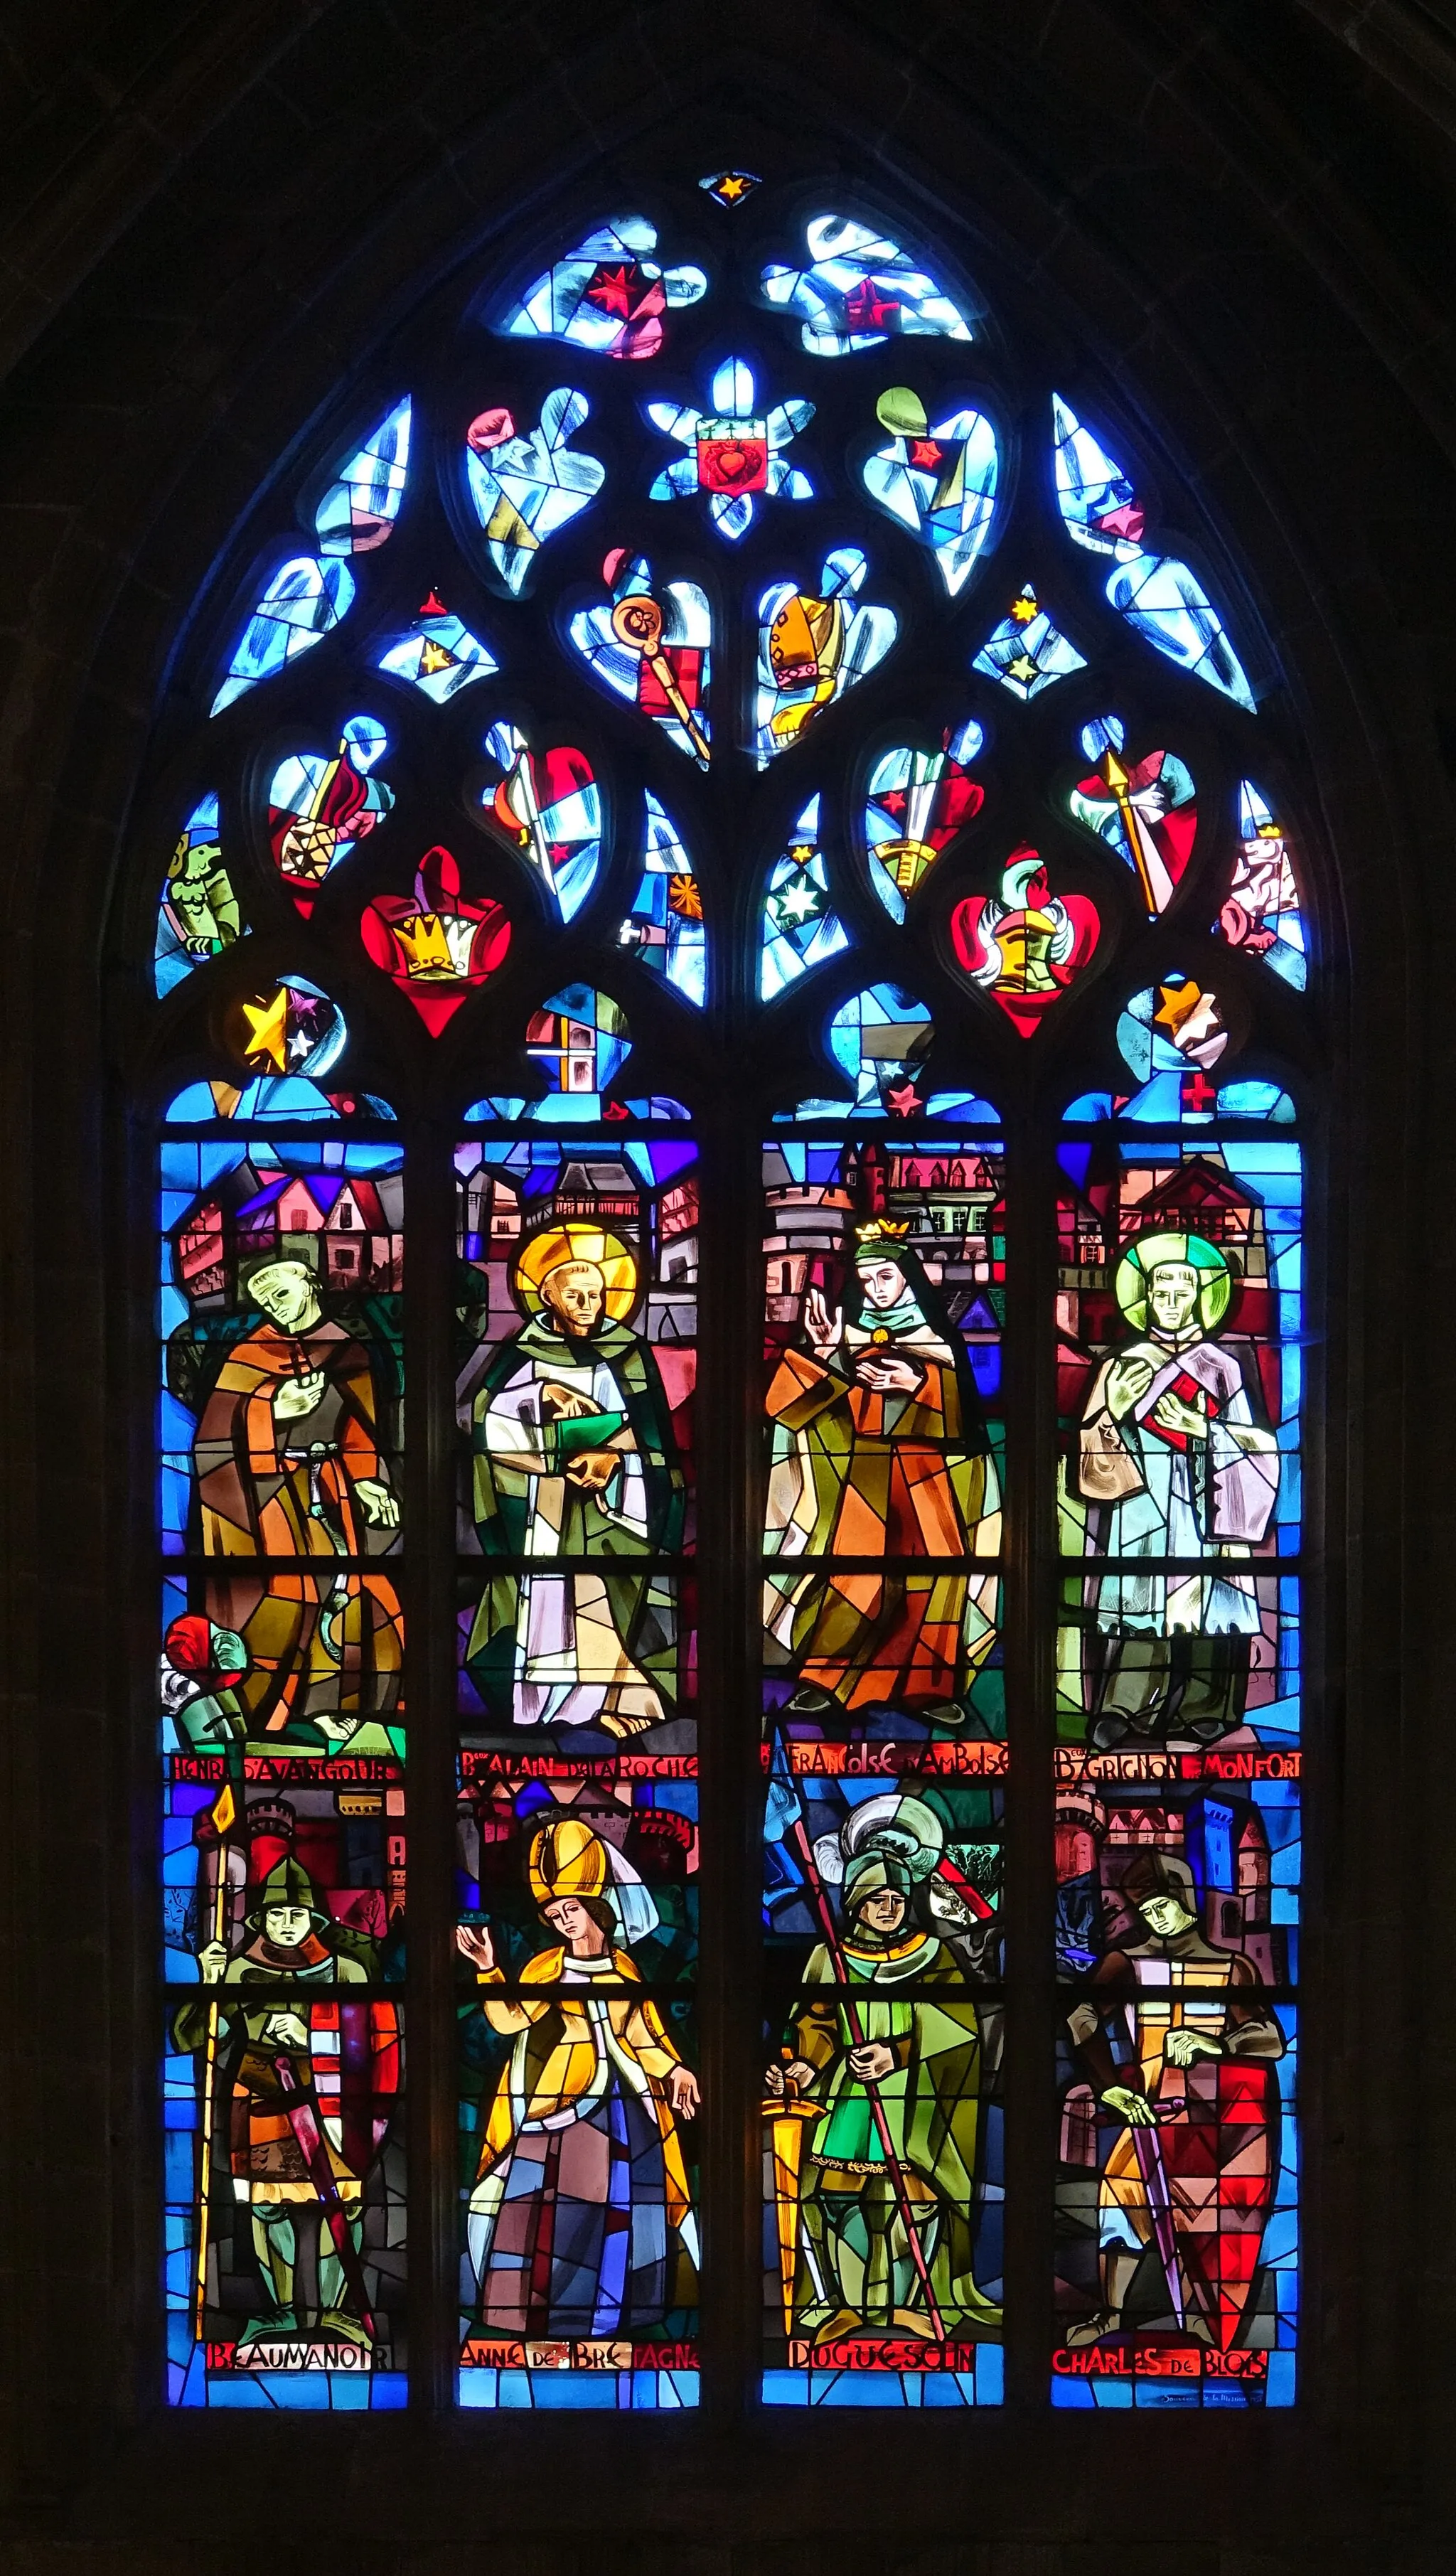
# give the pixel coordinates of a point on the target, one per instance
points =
(1191, 2167)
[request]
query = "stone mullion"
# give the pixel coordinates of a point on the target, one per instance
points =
(429, 1590)
(1030, 1587)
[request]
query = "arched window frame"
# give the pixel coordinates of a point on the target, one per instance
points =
(658, 1024)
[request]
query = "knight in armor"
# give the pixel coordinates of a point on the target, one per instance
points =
(1178, 2040)
(311, 2076)
(887, 2045)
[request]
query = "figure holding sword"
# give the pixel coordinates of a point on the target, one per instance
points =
(1190, 2169)
(891, 2058)
(297, 2095)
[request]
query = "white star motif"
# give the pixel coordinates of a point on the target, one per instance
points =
(798, 903)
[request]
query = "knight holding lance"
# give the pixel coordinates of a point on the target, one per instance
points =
(887, 2054)
(309, 2078)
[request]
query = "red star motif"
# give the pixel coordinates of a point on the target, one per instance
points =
(903, 1098)
(614, 289)
(924, 451)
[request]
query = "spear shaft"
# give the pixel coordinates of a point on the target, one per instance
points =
(199, 2291)
(1141, 848)
(850, 2009)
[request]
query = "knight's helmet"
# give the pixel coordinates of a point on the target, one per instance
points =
(1156, 1873)
(566, 1859)
(1026, 942)
(287, 1883)
(1025, 939)
(875, 1872)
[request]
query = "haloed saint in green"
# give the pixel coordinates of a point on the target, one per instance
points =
(574, 1459)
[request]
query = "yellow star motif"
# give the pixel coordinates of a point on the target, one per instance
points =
(433, 658)
(1179, 1002)
(1023, 669)
(1024, 609)
(267, 1038)
(731, 186)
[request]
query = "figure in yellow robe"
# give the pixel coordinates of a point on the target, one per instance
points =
(580, 2223)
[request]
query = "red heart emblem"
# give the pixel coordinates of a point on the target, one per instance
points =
(732, 465)
(436, 945)
(1025, 945)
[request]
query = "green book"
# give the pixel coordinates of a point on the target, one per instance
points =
(577, 1432)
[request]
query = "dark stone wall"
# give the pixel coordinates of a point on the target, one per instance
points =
(1247, 208)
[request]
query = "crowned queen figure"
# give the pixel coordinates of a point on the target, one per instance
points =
(880, 1452)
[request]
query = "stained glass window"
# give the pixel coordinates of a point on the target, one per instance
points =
(728, 996)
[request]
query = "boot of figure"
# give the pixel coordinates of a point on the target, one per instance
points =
(335, 2318)
(274, 2245)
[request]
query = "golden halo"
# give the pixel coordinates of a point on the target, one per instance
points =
(556, 1245)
